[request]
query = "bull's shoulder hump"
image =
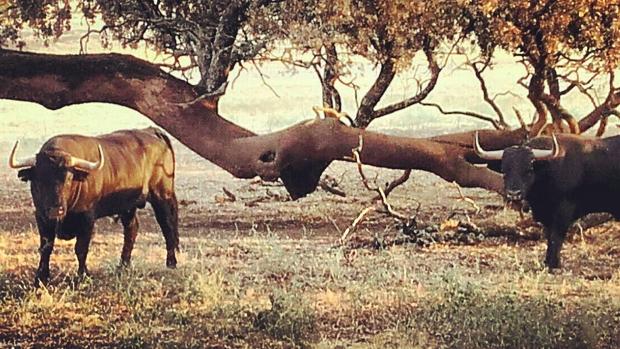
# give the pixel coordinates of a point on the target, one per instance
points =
(141, 138)
(145, 132)
(62, 140)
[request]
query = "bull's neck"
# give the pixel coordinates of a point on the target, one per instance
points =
(76, 190)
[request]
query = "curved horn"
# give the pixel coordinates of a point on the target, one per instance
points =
(86, 165)
(30, 162)
(544, 154)
(484, 154)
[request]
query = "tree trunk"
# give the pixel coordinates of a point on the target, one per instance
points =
(298, 154)
(365, 113)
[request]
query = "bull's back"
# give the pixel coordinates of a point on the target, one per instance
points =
(588, 174)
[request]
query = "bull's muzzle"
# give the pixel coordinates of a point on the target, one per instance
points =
(514, 195)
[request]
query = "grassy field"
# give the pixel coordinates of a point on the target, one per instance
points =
(265, 272)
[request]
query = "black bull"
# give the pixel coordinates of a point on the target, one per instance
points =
(76, 179)
(576, 177)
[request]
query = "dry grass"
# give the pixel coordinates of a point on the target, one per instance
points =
(265, 290)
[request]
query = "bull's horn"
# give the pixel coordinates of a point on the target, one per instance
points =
(484, 154)
(30, 162)
(544, 154)
(86, 165)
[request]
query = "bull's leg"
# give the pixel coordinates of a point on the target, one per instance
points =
(552, 257)
(166, 212)
(556, 233)
(47, 235)
(130, 231)
(82, 243)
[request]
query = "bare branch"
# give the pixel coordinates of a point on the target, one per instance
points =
(602, 126)
(520, 118)
(262, 78)
(387, 207)
(610, 104)
(466, 199)
(493, 121)
(330, 185)
(505, 93)
(485, 92)
(434, 69)
(395, 183)
(84, 39)
(356, 222)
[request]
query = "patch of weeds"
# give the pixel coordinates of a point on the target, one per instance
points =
(466, 315)
(132, 341)
(290, 319)
(201, 290)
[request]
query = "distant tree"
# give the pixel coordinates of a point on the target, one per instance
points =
(388, 34)
(566, 46)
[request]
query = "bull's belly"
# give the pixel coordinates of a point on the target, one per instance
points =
(65, 234)
(76, 222)
(72, 225)
(546, 212)
(119, 202)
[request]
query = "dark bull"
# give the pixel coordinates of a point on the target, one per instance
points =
(568, 179)
(75, 180)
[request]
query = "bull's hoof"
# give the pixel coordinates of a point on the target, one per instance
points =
(41, 279)
(552, 265)
(82, 275)
(124, 264)
(172, 264)
(171, 260)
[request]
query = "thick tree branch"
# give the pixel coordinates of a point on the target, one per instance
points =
(607, 107)
(434, 69)
(365, 113)
(298, 154)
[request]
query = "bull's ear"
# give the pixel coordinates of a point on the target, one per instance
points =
(26, 174)
(79, 175)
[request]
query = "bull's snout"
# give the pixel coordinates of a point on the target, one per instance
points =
(514, 195)
(56, 213)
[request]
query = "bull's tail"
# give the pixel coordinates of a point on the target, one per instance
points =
(163, 136)
(172, 202)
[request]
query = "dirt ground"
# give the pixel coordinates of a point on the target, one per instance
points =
(258, 206)
(263, 241)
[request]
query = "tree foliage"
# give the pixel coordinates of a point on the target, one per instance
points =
(548, 32)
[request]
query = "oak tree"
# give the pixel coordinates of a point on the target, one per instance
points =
(210, 38)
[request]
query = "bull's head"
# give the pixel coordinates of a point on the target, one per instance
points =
(518, 165)
(51, 174)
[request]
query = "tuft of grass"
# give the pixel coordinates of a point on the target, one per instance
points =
(466, 314)
(290, 318)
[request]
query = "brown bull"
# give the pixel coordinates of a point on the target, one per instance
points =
(76, 179)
